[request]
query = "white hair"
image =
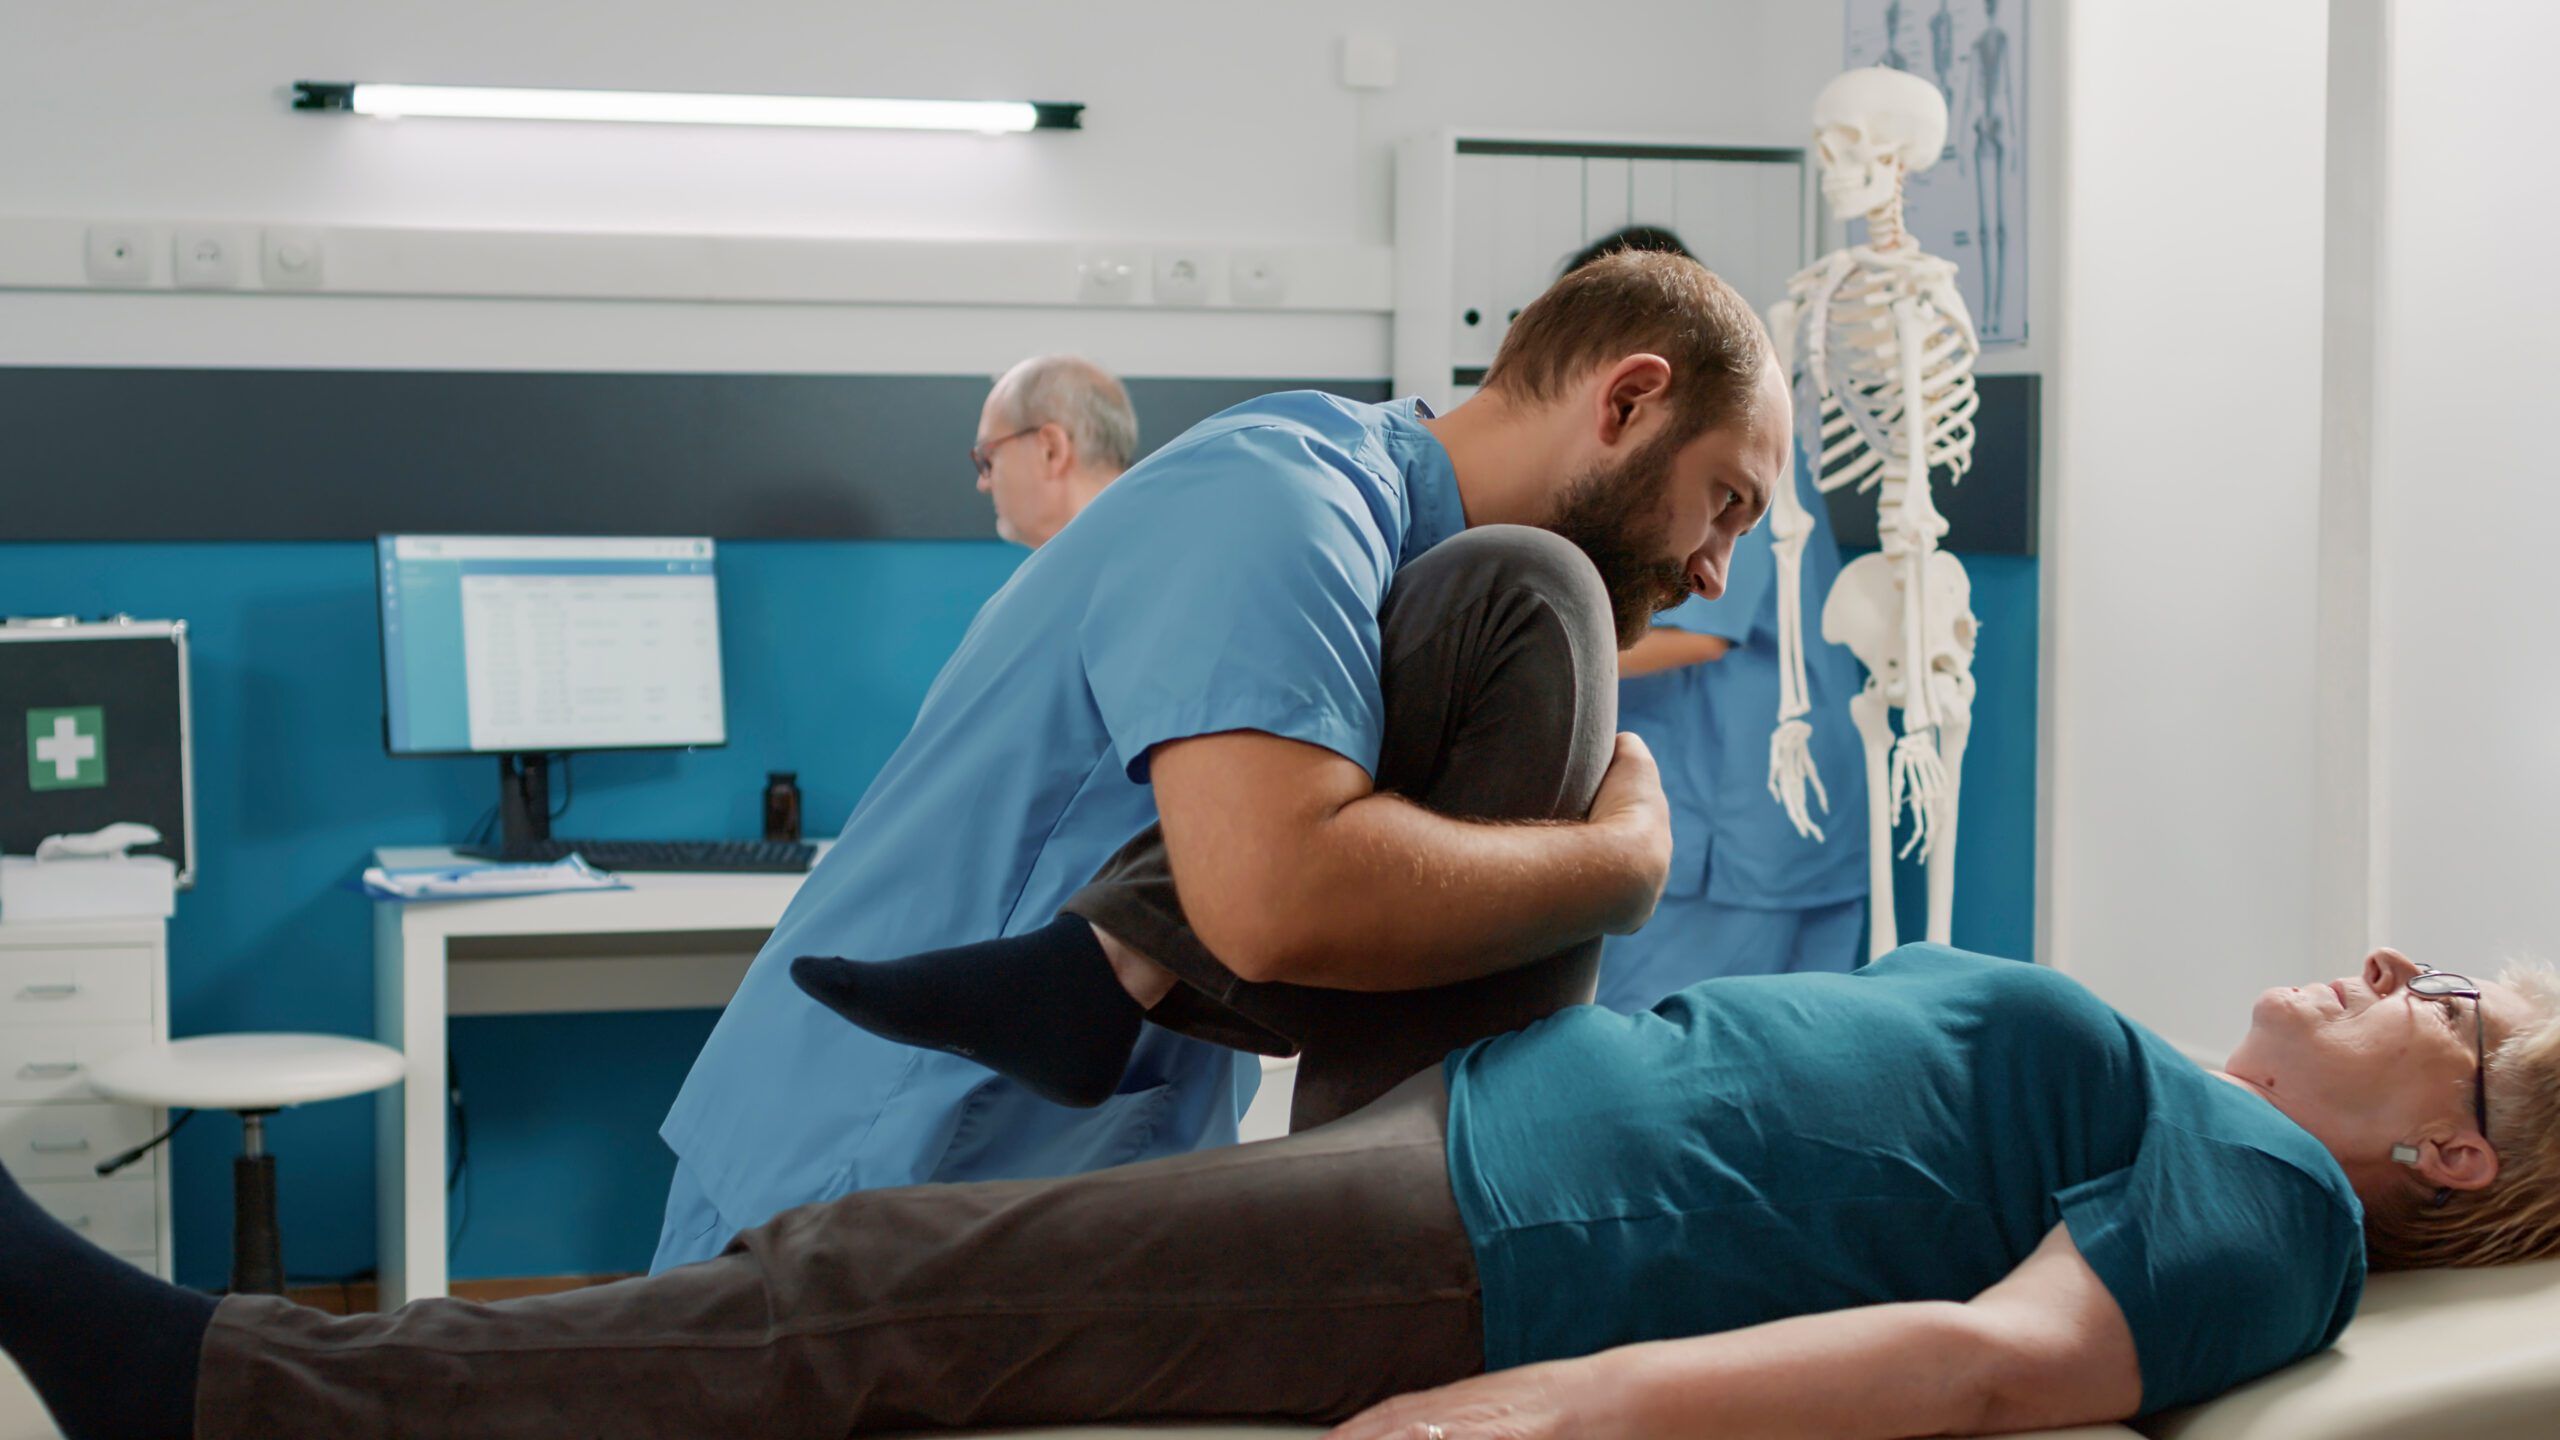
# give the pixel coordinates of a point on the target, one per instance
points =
(1078, 396)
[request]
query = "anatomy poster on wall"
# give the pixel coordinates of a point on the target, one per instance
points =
(1972, 205)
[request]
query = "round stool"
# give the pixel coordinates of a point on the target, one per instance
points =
(253, 1076)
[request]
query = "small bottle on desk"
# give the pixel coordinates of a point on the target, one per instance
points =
(782, 805)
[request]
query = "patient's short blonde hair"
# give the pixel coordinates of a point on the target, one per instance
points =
(2518, 1216)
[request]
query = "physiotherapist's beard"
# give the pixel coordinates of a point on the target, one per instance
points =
(1614, 515)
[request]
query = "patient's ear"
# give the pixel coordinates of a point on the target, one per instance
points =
(2460, 1161)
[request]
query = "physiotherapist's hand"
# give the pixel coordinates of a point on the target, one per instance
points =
(1558, 1400)
(1631, 809)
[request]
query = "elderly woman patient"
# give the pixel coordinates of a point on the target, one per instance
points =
(1945, 1193)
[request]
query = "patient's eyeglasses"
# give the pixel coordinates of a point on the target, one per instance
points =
(2447, 987)
(984, 456)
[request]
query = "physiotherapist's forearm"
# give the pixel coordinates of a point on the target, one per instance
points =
(1876, 1371)
(1397, 897)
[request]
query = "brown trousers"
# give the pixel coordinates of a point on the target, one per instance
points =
(1304, 1278)
(1500, 674)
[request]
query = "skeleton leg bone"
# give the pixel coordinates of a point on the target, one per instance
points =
(1868, 711)
(1955, 727)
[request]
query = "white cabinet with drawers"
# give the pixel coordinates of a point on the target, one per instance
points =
(73, 994)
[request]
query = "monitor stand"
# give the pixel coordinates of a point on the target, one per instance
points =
(524, 801)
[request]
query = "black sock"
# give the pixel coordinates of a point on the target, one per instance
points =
(1043, 1008)
(111, 1350)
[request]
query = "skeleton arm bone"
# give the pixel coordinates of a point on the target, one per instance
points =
(1791, 767)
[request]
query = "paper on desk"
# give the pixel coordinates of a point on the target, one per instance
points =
(487, 882)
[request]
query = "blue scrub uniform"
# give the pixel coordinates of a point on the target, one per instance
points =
(1747, 895)
(1231, 581)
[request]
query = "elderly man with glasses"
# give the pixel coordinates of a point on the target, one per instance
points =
(1054, 431)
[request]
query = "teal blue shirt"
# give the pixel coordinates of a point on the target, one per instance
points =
(1768, 1146)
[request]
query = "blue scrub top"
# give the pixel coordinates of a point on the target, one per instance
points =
(1708, 725)
(1231, 581)
(1767, 1146)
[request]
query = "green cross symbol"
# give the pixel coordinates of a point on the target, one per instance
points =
(67, 748)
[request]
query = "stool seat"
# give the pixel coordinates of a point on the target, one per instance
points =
(247, 1072)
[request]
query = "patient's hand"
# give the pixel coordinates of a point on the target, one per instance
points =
(1559, 1400)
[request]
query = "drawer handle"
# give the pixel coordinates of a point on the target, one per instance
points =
(60, 1147)
(48, 992)
(48, 1069)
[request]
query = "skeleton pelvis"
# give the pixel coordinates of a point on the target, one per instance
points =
(1864, 612)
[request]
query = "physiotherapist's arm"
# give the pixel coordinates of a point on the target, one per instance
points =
(1291, 867)
(2045, 1348)
(1663, 649)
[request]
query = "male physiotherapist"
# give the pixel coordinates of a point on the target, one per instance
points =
(1747, 895)
(1205, 636)
(1054, 431)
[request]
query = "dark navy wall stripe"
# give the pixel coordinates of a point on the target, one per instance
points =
(179, 454)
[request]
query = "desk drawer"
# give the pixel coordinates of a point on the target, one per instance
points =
(119, 1215)
(65, 1142)
(42, 1063)
(75, 984)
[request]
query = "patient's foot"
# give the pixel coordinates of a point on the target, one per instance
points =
(112, 1351)
(1045, 1007)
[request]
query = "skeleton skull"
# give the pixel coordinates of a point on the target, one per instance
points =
(1870, 128)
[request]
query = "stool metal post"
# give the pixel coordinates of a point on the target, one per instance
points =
(257, 1250)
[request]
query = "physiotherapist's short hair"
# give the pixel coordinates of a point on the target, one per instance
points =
(1639, 302)
(1078, 396)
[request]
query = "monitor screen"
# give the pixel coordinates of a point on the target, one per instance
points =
(495, 644)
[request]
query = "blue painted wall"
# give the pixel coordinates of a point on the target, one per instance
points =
(829, 648)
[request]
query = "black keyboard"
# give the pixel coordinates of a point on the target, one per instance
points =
(773, 857)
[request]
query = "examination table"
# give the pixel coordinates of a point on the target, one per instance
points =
(2469, 1353)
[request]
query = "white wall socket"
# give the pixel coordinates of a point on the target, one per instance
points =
(205, 257)
(1256, 277)
(119, 253)
(1183, 277)
(1107, 277)
(290, 259)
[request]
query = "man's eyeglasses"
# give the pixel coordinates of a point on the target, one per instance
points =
(2447, 987)
(984, 456)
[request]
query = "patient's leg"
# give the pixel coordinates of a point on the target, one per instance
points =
(1500, 678)
(1499, 675)
(1139, 1292)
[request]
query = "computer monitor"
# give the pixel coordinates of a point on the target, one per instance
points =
(517, 646)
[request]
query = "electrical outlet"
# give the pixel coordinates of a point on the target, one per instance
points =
(206, 257)
(1182, 277)
(290, 259)
(119, 253)
(1106, 277)
(1257, 277)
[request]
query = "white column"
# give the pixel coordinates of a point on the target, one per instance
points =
(2184, 504)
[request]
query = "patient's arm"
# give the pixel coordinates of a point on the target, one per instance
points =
(2045, 1347)
(1292, 868)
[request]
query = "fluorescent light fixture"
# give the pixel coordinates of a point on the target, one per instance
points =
(997, 117)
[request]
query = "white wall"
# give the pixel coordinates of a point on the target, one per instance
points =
(2181, 519)
(2467, 692)
(1214, 122)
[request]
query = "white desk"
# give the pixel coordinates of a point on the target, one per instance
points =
(670, 942)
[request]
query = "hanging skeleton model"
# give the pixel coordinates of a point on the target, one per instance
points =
(1885, 341)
